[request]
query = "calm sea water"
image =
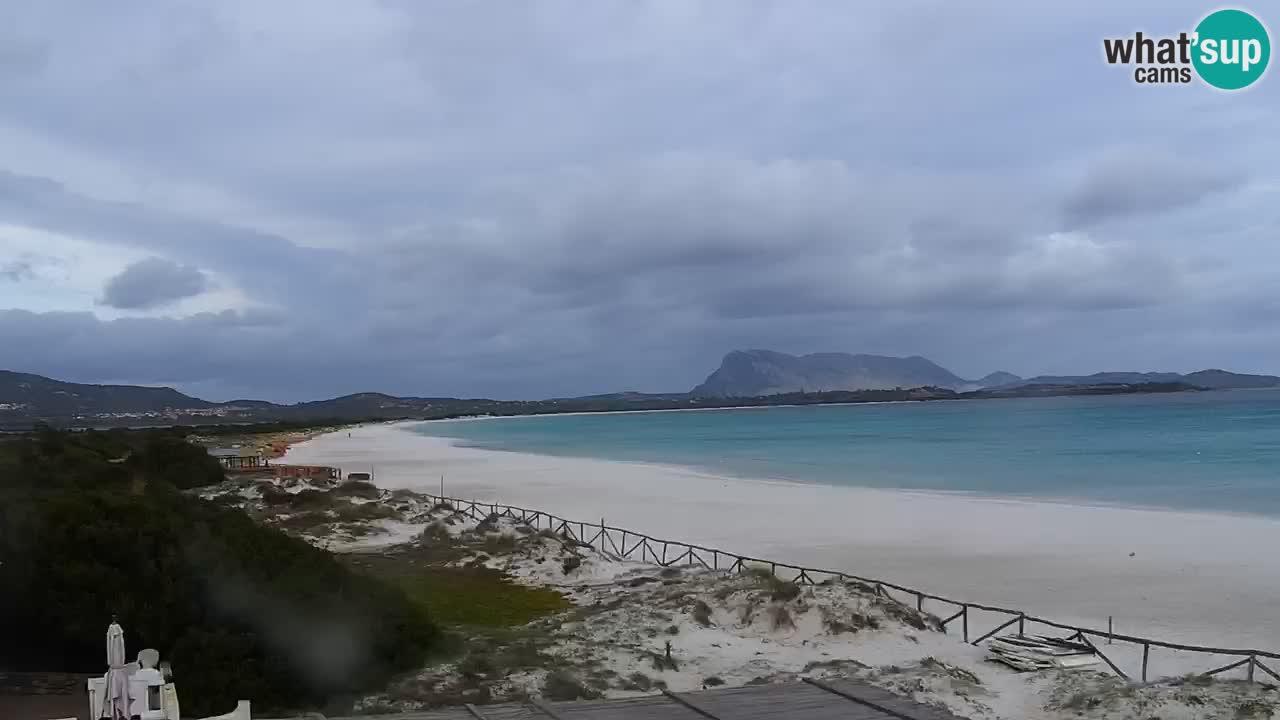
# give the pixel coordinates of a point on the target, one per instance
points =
(1201, 451)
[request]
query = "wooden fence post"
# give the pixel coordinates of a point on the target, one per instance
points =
(563, 527)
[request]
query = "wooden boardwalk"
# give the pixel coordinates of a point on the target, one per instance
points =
(808, 700)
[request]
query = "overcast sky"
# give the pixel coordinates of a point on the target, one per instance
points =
(291, 200)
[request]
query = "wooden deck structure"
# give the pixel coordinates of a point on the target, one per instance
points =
(807, 700)
(239, 458)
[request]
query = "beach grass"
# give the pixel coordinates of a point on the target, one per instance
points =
(481, 597)
(466, 596)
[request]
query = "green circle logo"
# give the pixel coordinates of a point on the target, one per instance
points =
(1232, 49)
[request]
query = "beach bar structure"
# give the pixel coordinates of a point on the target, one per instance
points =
(307, 472)
(235, 458)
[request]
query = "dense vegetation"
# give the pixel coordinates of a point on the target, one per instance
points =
(94, 524)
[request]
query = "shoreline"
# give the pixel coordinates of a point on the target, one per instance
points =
(801, 405)
(1168, 574)
(626, 626)
(467, 418)
(1065, 500)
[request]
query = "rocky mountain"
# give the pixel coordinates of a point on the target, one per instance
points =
(54, 397)
(1224, 380)
(748, 373)
(1108, 378)
(1208, 379)
(999, 378)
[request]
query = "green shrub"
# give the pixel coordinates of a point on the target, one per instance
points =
(702, 613)
(240, 610)
(637, 681)
(560, 685)
(358, 488)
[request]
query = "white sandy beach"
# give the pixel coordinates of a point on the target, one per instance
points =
(1193, 578)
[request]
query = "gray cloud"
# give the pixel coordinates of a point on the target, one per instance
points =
(20, 56)
(1140, 181)
(16, 271)
(152, 283)
(556, 201)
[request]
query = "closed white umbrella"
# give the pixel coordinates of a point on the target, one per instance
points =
(119, 704)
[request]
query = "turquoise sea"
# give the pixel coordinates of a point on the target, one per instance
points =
(1210, 451)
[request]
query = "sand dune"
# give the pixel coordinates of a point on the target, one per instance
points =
(1184, 577)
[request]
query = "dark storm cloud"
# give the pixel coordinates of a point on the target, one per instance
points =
(703, 254)
(570, 198)
(152, 283)
(277, 269)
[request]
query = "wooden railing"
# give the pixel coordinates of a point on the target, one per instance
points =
(625, 544)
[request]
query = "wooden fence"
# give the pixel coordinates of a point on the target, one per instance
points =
(626, 544)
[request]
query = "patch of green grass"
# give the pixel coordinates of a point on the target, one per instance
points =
(499, 544)
(476, 666)
(302, 522)
(365, 512)
(779, 589)
(522, 655)
(357, 488)
(308, 499)
(437, 532)
(478, 596)
(784, 590)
